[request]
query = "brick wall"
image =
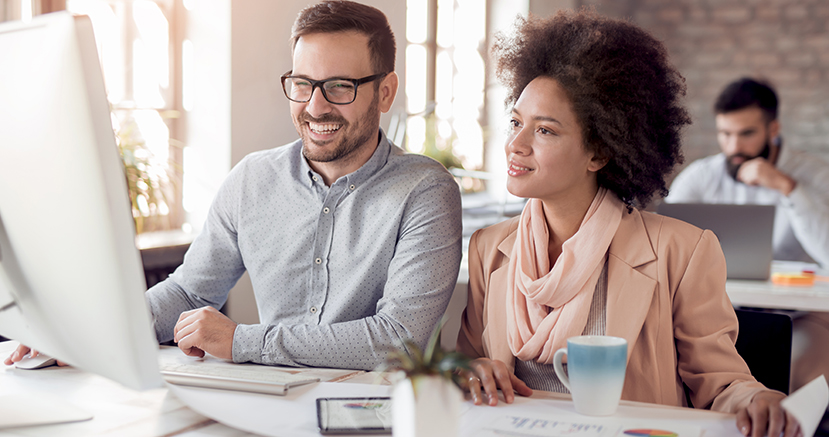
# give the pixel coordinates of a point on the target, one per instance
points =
(713, 42)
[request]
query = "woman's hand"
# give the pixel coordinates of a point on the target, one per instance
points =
(764, 416)
(492, 375)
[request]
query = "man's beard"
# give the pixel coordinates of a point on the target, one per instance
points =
(363, 130)
(733, 168)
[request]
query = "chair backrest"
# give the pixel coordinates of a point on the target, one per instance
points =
(765, 343)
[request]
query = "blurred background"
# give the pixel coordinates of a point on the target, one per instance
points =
(194, 86)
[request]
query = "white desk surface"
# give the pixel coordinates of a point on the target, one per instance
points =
(119, 411)
(764, 294)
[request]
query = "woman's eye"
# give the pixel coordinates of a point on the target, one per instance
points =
(544, 131)
(514, 123)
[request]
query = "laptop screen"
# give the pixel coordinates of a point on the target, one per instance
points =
(745, 233)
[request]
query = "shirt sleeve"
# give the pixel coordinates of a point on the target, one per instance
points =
(705, 331)
(211, 266)
(807, 207)
(688, 185)
(420, 281)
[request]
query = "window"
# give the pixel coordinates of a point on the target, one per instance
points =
(445, 80)
(141, 59)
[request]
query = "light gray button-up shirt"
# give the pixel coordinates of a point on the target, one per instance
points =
(801, 221)
(341, 274)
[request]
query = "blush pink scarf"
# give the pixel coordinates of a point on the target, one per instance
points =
(566, 290)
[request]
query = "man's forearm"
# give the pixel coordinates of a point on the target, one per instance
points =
(359, 344)
(167, 300)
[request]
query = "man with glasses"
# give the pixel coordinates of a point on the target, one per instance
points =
(352, 245)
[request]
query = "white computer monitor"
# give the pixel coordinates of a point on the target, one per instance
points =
(71, 280)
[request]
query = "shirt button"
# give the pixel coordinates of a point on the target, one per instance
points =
(318, 261)
(315, 178)
(326, 210)
(352, 187)
(313, 310)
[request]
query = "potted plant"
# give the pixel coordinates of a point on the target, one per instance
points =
(149, 181)
(426, 399)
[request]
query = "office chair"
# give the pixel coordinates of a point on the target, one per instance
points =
(765, 343)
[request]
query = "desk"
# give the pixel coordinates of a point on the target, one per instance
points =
(123, 412)
(764, 294)
(118, 411)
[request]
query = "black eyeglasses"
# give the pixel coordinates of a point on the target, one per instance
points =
(338, 91)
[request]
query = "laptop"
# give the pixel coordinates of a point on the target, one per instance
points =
(745, 233)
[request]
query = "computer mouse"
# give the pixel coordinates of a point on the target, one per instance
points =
(38, 362)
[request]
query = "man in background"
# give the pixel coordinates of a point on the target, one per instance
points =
(352, 245)
(755, 168)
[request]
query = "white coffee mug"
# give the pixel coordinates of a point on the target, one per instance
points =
(596, 366)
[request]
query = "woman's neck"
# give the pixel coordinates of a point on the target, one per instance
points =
(564, 217)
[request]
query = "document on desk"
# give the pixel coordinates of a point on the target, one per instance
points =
(808, 404)
(552, 417)
(574, 425)
(295, 414)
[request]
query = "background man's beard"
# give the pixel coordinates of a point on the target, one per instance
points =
(733, 168)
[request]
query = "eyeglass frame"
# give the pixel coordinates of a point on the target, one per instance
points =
(320, 84)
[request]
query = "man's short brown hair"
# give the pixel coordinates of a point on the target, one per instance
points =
(342, 16)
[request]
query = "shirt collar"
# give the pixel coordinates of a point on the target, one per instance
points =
(358, 177)
(783, 156)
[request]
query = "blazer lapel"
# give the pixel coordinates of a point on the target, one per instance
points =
(630, 279)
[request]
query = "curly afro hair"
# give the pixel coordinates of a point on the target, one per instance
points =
(625, 93)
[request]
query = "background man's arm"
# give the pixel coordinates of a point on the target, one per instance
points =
(687, 186)
(807, 207)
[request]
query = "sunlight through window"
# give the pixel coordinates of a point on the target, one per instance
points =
(134, 47)
(416, 78)
(457, 77)
(150, 55)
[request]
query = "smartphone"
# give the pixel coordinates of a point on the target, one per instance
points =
(343, 416)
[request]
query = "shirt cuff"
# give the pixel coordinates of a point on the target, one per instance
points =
(798, 196)
(248, 341)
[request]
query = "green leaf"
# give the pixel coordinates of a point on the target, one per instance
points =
(434, 360)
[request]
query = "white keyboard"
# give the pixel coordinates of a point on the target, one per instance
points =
(258, 379)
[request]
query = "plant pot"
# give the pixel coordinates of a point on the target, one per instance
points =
(426, 406)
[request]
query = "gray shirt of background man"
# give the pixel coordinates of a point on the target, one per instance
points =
(341, 274)
(801, 223)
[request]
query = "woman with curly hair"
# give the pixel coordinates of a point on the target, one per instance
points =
(595, 128)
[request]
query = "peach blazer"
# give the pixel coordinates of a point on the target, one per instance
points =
(682, 330)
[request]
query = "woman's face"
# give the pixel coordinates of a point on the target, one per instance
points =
(546, 157)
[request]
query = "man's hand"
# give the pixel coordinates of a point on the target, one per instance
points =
(764, 416)
(205, 330)
(492, 375)
(20, 353)
(760, 172)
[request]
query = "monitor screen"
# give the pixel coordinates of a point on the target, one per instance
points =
(71, 280)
